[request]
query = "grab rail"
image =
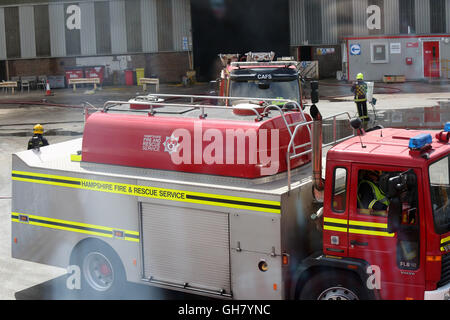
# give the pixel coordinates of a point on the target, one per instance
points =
(291, 145)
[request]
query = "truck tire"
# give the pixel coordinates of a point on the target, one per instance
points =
(102, 272)
(332, 285)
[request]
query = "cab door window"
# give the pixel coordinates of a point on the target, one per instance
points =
(338, 200)
(373, 199)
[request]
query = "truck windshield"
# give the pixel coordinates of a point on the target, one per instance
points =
(273, 89)
(439, 172)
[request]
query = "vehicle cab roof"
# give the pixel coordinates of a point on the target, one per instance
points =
(388, 147)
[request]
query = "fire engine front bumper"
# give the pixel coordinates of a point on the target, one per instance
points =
(442, 293)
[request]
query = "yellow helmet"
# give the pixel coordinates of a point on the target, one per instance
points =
(359, 76)
(38, 129)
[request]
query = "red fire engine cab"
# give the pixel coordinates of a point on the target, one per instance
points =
(401, 252)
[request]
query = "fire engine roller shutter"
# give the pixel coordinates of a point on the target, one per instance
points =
(185, 246)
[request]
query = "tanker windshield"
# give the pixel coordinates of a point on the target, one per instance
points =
(440, 194)
(270, 89)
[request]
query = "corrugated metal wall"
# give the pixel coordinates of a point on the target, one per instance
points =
(360, 17)
(391, 25)
(422, 16)
(181, 10)
(329, 22)
(297, 22)
(2, 35)
(12, 31)
(130, 26)
(447, 15)
(344, 18)
(57, 30)
(102, 27)
(164, 25)
(118, 27)
(407, 15)
(87, 36)
(107, 27)
(313, 21)
(437, 16)
(149, 26)
(133, 25)
(27, 36)
(42, 31)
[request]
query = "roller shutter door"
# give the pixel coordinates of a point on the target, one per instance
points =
(186, 247)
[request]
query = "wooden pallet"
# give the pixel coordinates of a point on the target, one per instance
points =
(393, 79)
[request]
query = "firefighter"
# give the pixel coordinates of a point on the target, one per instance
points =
(38, 139)
(359, 88)
(371, 199)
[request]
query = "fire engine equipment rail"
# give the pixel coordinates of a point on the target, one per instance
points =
(154, 100)
(290, 156)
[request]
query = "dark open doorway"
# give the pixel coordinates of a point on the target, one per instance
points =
(3, 73)
(231, 26)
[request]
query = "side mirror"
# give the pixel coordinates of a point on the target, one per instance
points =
(394, 215)
(314, 92)
(356, 123)
(400, 183)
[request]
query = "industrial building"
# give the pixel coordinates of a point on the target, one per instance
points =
(166, 38)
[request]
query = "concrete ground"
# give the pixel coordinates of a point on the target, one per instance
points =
(64, 121)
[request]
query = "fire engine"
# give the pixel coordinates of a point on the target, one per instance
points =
(256, 74)
(198, 198)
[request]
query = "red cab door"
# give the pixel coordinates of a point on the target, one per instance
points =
(336, 209)
(431, 62)
(394, 257)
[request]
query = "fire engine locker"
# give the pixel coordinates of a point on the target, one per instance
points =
(187, 247)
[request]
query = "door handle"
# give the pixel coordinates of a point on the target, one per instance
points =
(357, 243)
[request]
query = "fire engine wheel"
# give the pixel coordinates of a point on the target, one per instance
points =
(101, 268)
(332, 286)
(98, 271)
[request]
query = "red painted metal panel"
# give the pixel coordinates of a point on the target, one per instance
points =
(207, 146)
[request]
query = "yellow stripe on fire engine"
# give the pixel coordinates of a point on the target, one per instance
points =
(150, 192)
(73, 226)
(334, 224)
(369, 228)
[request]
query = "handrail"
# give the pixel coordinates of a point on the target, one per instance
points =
(113, 103)
(154, 100)
(291, 145)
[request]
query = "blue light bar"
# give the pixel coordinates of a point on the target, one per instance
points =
(420, 141)
(447, 127)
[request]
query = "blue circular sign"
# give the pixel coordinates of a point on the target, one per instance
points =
(355, 49)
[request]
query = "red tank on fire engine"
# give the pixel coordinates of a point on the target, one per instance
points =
(237, 146)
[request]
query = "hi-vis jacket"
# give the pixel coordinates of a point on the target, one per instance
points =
(359, 88)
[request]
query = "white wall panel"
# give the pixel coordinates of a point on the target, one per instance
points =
(360, 17)
(118, 27)
(329, 22)
(87, 32)
(2, 35)
(57, 29)
(149, 27)
(391, 16)
(422, 16)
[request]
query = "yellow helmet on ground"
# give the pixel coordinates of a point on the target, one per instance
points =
(38, 129)
(359, 76)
